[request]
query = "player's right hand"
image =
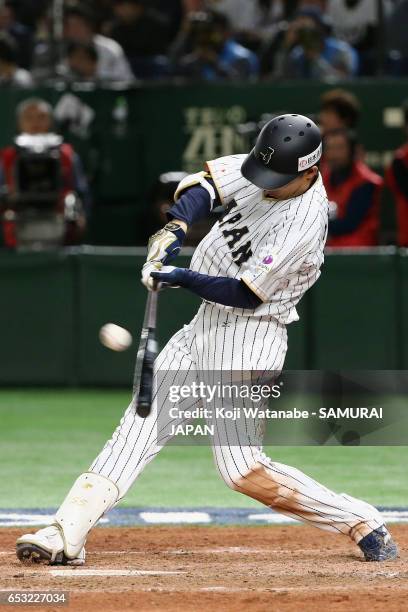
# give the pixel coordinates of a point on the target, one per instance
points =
(149, 267)
(165, 244)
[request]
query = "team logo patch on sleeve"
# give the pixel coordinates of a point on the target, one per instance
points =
(269, 259)
(309, 160)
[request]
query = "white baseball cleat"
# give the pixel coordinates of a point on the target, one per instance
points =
(46, 546)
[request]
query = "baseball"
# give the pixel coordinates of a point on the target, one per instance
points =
(115, 337)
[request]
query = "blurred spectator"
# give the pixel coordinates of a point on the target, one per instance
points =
(354, 192)
(79, 26)
(143, 33)
(102, 11)
(18, 31)
(46, 53)
(357, 22)
(10, 73)
(44, 191)
(397, 181)
(172, 11)
(397, 39)
(214, 55)
(82, 61)
(34, 116)
(28, 12)
(253, 20)
(309, 52)
(339, 109)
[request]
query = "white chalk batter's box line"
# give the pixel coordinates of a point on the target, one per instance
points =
(75, 573)
(151, 516)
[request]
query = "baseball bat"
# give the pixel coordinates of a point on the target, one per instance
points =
(146, 354)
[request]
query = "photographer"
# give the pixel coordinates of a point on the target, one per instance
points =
(214, 55)
(309, 52)
(44, 193)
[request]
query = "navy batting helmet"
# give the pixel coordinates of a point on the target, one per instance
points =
(286, 146)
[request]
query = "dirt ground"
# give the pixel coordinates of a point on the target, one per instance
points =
(218, 568)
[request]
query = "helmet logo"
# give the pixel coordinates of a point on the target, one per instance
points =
(309, 160)
(267, 155)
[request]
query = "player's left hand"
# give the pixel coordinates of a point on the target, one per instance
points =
(169, 276)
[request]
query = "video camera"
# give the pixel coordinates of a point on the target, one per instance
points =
(38, 204)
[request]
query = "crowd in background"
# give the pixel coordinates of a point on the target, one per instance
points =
(131, 40)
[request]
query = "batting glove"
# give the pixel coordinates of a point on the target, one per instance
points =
(165, 244)
(147, 269)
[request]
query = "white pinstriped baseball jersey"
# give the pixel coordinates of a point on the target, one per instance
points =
(275, 247)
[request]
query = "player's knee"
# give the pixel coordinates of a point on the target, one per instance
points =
(230, 480)
(255, 480)
(234, 476)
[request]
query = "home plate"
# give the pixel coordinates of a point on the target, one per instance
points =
(76, 573)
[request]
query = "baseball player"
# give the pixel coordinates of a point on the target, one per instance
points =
(251, 270)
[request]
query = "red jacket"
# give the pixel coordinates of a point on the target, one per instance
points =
(366, 234)
(401, 198)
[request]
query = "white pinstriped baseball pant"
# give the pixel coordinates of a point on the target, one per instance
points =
(218, 340)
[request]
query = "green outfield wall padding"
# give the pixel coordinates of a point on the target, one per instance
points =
(110, 291)
(37, 311)
(53, 306)
(354, 323)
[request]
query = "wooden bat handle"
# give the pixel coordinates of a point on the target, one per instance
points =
(145, 394)
(144, 400)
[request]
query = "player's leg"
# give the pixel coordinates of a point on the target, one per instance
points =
(252, 345)
(134, 444)
(289, 491)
